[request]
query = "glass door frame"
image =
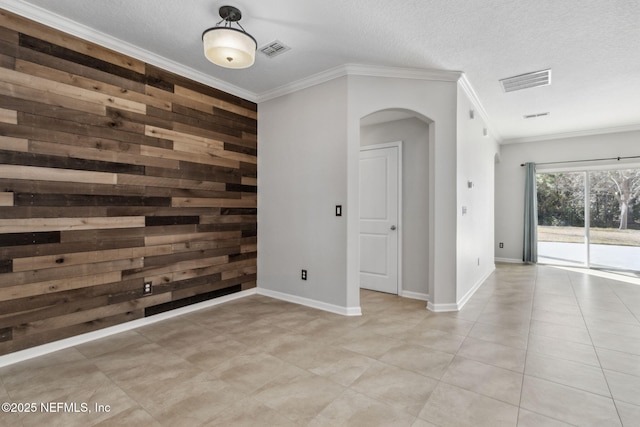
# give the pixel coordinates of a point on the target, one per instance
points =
(587, 198)
(587, 218)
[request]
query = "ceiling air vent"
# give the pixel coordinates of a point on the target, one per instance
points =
(274, 48)
(533, 116)
(526, 81)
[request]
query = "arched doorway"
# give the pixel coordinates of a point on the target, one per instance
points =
(410, 130)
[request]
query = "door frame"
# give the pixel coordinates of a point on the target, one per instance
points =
(398, 145)
(586, 171)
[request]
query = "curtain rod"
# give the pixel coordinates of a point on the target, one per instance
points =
(589, 160)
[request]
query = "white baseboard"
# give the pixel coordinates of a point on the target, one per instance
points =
(462, 301)
(509, 260)
(441, 308)
(414, 295)
(345, 311)
(41, 350)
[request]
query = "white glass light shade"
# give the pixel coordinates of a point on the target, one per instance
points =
(229, 47)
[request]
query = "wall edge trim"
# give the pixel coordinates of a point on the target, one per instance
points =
(475, 287)
(468, 89)
(332, 308)
(442, 308)
(509, 260)
(415, 295)
(360, 70)
(575, 134)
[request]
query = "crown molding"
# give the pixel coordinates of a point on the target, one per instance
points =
(466, 87)
(304, 83)
(402, 73)
(360, 70)
(576, 134)
(69, 26)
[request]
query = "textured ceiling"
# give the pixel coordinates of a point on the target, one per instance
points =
(592, 46)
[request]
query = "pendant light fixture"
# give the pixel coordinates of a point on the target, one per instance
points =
(227, 46)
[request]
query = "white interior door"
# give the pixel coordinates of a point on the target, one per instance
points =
(379, 206)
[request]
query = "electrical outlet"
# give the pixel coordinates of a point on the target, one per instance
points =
(147, 289)
(303, 275)
(501, 245)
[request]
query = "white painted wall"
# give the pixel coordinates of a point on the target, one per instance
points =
(302, 174)
(414, 134)
(435, 101)
(509, 202)
(309, 144)
(476, 154)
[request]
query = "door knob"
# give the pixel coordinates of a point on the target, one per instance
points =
(393, 227)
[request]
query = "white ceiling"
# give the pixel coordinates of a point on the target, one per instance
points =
(592, 47)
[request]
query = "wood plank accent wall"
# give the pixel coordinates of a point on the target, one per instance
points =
(114, 173)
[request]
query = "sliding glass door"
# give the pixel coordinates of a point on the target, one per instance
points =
(588, 219)
(615, 224)
(561, 220)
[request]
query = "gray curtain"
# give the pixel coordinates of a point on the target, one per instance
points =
(530, 250)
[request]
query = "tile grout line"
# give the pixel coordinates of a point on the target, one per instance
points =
(606, 380)
(526, 352)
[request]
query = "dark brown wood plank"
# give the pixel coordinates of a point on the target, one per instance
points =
(84, 244)
(155, 221)
(21, 239)
(18, 212)
(6, 265)
(27, 186)
(6, 61)
(28, 159)
(240, 149)
(207, 287)
(9, 36)
(31, 199)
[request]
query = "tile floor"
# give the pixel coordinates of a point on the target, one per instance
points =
(535, 346)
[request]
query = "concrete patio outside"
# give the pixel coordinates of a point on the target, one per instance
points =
(602, 256)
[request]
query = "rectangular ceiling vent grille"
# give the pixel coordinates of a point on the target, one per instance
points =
(526, 81)
(533, 116)
(274, 48)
